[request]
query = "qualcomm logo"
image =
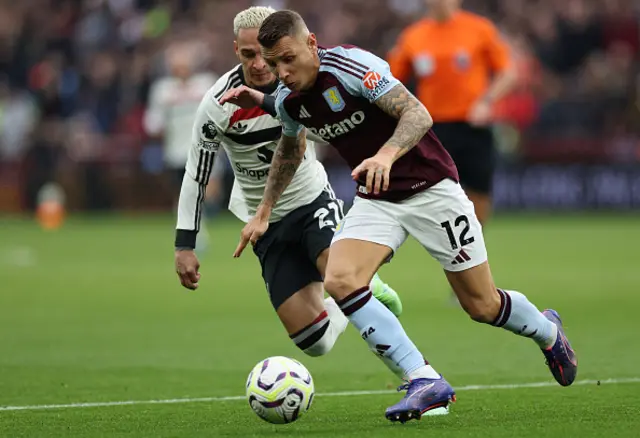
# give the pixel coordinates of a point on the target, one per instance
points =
(334, 130)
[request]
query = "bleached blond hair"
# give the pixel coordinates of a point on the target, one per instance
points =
(251, 18)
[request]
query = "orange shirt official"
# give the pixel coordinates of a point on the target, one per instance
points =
(452, 61)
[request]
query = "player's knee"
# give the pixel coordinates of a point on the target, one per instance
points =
(315, 345)
(340, 283)
(318, 338)
(319, 348)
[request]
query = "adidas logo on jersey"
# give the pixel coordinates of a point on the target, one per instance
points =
(239, 127)
(304, 114)
(336, 129)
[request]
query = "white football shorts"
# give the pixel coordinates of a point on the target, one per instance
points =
(441, 218)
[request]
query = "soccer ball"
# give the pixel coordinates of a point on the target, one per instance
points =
(280, 390)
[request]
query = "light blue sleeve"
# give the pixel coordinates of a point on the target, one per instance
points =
(290, 127)
(374, 78)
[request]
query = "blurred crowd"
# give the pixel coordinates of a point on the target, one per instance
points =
(76, 75)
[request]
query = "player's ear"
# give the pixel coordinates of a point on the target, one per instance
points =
(312, 42)
(235, 48)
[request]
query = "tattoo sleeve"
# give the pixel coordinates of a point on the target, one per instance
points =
(413, 118)
(286, 159)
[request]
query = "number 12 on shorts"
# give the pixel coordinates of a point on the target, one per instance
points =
(463, 238)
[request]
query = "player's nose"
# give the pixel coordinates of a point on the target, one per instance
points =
(283, 74)
(259, 63)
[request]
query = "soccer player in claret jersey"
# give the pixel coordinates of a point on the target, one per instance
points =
(407, 185)
(293, 254)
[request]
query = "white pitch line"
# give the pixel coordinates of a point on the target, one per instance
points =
(326, 394)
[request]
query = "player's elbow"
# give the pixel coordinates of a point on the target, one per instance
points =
(428, 120)
(421, 118)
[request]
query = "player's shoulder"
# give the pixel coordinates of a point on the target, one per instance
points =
(284, 98)
(347, 60)
(229, 80)
(210, 104)
(283, 93)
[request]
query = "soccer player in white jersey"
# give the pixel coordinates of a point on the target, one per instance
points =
(407, 185)
(293, 254)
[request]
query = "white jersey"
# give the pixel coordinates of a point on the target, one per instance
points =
(172, 106)
(249, 138)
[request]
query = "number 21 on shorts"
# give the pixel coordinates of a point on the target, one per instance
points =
(329, 217)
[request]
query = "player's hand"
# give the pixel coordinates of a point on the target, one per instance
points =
(480, 113)
(377, 170)
(243, 96)
(251, 232)
(187, 266)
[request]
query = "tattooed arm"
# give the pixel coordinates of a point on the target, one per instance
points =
(286, 160)
(413, 120)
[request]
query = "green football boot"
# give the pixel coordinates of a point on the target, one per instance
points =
(387, 296)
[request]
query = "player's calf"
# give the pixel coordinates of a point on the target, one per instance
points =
(510, 310)
(518, 315)
(482, 309)
(476, 292)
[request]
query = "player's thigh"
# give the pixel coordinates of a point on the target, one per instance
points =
(366, 238)
(302, 308)
(318, 227)
(443, 220)
(322, 260)
(286, 270)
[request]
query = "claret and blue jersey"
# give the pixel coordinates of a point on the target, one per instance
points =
(340, 108)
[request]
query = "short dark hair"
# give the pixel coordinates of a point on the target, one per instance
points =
(279, 25)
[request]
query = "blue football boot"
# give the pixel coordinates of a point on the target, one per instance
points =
(561, 358)
(423, 397)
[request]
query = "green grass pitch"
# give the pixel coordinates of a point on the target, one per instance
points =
(94, 313)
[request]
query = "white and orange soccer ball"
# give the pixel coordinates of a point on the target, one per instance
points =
(280, 390)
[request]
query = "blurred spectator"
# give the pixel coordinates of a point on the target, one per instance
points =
(173, 100)
(85, 69)
(18, 117)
